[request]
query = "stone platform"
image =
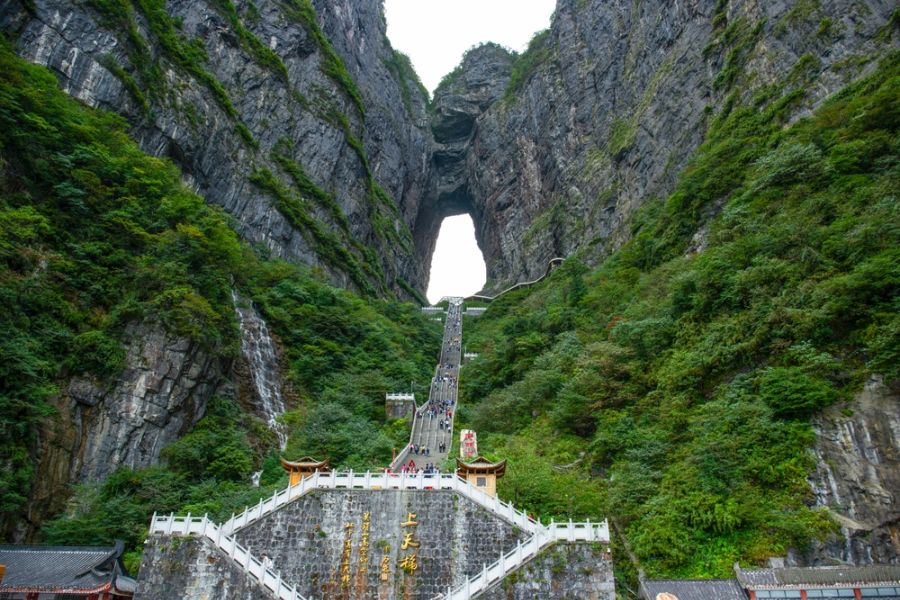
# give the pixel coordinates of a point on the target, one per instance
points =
(376, 544)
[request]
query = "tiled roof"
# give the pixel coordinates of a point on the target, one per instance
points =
(58, 568)
(822, 576)
(694, 589)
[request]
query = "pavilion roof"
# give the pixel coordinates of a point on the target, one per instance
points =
(482, 465)
(305, 463)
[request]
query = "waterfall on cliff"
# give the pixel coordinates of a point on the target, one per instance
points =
(259, 351)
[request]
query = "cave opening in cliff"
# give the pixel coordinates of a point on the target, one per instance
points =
(457, 265)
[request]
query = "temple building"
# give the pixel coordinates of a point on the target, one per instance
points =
(304, 467)
(482, 473)
(869, 581)
(796, 583)
(692, 589)
(64, 573)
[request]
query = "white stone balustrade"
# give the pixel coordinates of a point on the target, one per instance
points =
(202, 526)
(541, 535)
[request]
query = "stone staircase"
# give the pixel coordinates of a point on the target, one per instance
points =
(541, 535)
(424, 431)
(202, 526)
(523, 552)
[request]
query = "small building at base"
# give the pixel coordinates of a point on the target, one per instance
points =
(797, 583)
(482, 473)
(304, 467)
(65, 572)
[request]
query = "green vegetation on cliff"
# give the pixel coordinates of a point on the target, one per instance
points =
(95, 236)
(676, 380)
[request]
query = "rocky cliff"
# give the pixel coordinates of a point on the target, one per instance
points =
(303, 123)
(607, 107)
(858, 477)
(299, 120)
(102, 425)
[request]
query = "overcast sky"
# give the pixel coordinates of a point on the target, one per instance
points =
(435, 34)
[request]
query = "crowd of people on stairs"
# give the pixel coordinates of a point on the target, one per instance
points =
(433, 425)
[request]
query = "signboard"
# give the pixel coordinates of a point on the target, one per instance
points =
(468, 444)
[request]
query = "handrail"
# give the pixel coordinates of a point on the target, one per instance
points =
(493, 573)
(553, 262)
(540, 535)
(401, 457)
(404, 453)
(202, 526)
(382, 481)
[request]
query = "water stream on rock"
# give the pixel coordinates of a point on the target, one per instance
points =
(259, 351)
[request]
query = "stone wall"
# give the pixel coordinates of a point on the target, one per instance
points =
(190, 568)
(306, 541)
(320, 543)
(576, 571)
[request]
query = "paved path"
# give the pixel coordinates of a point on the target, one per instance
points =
(427, 429)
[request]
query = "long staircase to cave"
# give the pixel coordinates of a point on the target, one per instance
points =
(426, 432)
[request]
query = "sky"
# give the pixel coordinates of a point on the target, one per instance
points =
(435, 34)
(457, 267)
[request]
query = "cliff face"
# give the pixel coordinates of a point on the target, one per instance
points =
(101, 426)
(607, 107)
(234, 94)
(297, 118)
(858, 477)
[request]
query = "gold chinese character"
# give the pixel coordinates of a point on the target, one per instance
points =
(408, 541)
(409, 563)
(345, 580)
(410, 520)
(385, 568)
(349, 526)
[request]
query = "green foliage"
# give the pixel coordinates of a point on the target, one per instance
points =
(262, 54)
(118, 15)
(401, 68)
(737, 40)
(411, 291)
(689, 377)
(306, 186)
(790, 392)
(329, 246)
(127, 80)
(190, 55)
(540, 50)
(96, 236)
(304, 12)
(342, 349)
(448, 79)
(215, 449)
